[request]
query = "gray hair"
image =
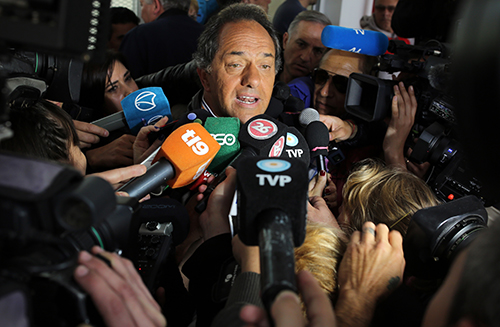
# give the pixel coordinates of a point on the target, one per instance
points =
(169, 4)
(308, 16)
(208, 42)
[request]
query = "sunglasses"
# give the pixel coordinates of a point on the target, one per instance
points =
(322, 76)
(383, 8)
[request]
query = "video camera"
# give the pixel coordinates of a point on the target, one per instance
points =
(428, 68)
(49, 214)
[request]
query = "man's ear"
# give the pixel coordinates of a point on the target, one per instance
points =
(285, 39)
(202, 73)
(158, 8)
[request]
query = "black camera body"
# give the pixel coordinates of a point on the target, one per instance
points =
(49, 214)
(370, 98)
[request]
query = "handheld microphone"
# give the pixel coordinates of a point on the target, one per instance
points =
(225, 131)
(308, 115)
(356, 40)
(263, 136)
(140, 108)
(272, 209)
(318, 138)
(182, 158)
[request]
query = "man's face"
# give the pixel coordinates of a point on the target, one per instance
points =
(240, 81)
(147, 11)
(118, 31)
(383, 13)
(302, 49)
(329, 91)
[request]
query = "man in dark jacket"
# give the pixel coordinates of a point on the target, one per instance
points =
(167, 38)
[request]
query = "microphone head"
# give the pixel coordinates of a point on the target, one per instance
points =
(225, 131)
(281, 91)
(271, 183)
(307, 116)
(294, 104)
(265, 135)
(317, 138)
(296, 146)
(356, 40)
(190, 149)
(144, 107)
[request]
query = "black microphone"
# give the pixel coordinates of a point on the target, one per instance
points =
(272, 209)
(318, 138)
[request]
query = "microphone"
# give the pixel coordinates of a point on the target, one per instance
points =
(225, 131)
(140, 108)
(182, 158)
(356, 40)
(272, 209)
(318, 138)
(308, 115)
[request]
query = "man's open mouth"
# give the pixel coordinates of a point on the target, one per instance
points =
(247, 100)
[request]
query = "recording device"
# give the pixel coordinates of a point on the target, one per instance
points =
(53, 214)
(356, 40)
(370, 98)
(272, 209)
(140, 108)
(182, 158)
(164, 223)
(437, 234)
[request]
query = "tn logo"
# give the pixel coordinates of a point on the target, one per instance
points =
(224, 139)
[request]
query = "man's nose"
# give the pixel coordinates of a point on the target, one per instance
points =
(251, 76)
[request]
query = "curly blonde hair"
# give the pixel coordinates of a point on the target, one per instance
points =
(381, 194)
(320, 254)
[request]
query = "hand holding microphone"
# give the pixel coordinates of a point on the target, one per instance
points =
(140, 108)
(182, 158)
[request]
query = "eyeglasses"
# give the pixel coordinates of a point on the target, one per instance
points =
(322, 76)
(383, 8)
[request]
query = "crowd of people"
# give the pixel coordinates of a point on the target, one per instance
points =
(351, 265)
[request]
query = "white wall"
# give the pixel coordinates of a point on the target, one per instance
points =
(345, 13)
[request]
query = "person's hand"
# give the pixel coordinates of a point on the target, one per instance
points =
(318, 212)
(118, 153)
(118, 177)
(339, 130)
(317, 184)
(286, 310)
(371, 268)
(248, 257)
(330, 193)
(89, 133)
(141, 147)
(118, 292)
(404, 107)
(420, 170)
(214, 220)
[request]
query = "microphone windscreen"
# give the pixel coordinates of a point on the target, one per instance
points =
(281, 91)
(317, 138)
(144, 107)
(265, 135)
(190, 149)
(356, 40)
(271, 183)
(296, 146)
(307, 116)
(294, 104)
(225, 131)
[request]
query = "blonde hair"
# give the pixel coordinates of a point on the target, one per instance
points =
(320, 254)
(381, 194)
